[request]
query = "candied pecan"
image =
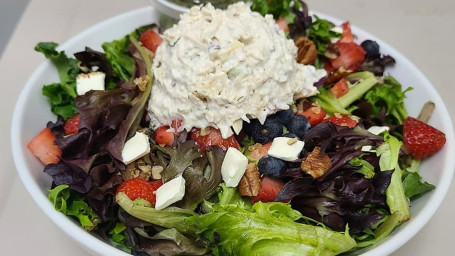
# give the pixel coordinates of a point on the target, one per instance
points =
(307, 52)
(250, 184)
(316, 164)
(336, 75)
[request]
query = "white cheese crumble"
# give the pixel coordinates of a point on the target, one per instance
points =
(216, 68)
(285, 148)
(135, 148)
(170, 192)
(91, 81)
(233, 167)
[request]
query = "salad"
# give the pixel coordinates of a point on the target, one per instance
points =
(328, 171)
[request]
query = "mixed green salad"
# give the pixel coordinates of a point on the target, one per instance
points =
(350, 185)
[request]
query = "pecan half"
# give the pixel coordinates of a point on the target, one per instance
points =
(307, 52)
(336, 75)
(316, 164)
(250, 184)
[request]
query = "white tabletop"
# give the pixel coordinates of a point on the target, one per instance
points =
(420, 29)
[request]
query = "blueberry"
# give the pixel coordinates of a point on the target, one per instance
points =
(371, 48)
(299, 125)
(263, 133)
(271, 166)
(285, 116)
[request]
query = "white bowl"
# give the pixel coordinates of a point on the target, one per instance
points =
(32, 113)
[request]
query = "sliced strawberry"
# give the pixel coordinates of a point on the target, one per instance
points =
(340, 88)
(71, 125)
(43, 147)
(342, 120)
(282, 24)
(347, 33)
(315, 114)
(163, 137)
(212, 137)
(421, 139)
(270, 188)
(139, 188)
(150, 40)
(351, 56)
(258, 150)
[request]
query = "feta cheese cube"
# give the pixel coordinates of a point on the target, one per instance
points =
(376, 130)
(170, 192)
(90, 81)
(135, 148)
(287, 149)
(233, 167)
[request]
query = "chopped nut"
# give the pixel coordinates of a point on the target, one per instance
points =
(250, 183)
(316, 164)
(205, 131)
(137, 169)
(307, 52)
(156, 172)
(292, 141)
(141, 82)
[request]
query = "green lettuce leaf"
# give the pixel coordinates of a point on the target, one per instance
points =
(366, 168)
(118, 55)
(61, 95)
(72, 204)
(413, 185)
(171, 242)
(266, 229)
(389, 94)
(278, 8)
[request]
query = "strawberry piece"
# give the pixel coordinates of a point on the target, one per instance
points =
(351, 56)
(270, 188)
(315, 114)
(163, 137)
(340, 88)
(282, 24)
(71, 125)
(43, 147)
(150, 40)
(213, 138)
(347, 33)
(342, 120)
(139, 188)
(258, 150)
(421, 139)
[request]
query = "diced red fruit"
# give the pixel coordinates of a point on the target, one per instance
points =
(213, 138)
(260, 151)
(270, 187)
(328, 66)
(43, 147)
(140, 188)
(315, 114)
(150, 40)
(351, 56)
(347, 33)
(421, 139)
(71, 125)
(282, 24)
(340, 88)
(163, 137)
(342, 120)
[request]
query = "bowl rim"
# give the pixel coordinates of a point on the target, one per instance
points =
(96, 245)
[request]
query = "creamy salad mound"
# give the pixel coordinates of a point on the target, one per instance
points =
(218, 67)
